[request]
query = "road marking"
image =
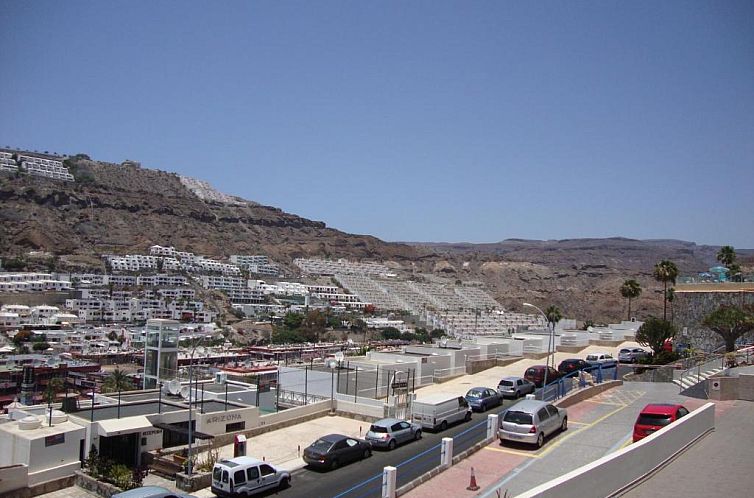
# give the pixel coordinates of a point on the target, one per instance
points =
(571, 422)
(602, 402)
(513, 452)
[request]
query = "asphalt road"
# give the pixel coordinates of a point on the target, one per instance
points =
(309, 483)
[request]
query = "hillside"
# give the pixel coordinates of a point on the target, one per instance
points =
(118, 209)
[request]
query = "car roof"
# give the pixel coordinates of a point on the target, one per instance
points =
(513, 378)
(143, 492)
(241, 460)
(385, 422)
(480, 388)
(661, 408)
(569, 360)
(334, 438)
(528, 405)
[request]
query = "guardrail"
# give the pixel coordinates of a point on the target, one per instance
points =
(578, 379)
(298, 398)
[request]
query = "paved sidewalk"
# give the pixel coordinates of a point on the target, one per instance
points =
(597, 427)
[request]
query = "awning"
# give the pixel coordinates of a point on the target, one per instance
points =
(183, 431)
(127, 425)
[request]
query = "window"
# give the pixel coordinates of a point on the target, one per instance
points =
(351, 442)
(143, 441)
(252, 473)
(396, 427)
(225, 476)
(521, 418)
(552, 410)
(405, 425)
(235, 426)
(542, 414)
(682, 412)
(56, 439)
(239, 477)
(266, 470)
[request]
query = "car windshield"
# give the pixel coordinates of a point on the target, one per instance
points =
(517, 417)
(377, 428)
(474, 394)
(216, 473)
(653, 419)
(592, 357)
(622, 351)
(506, 383)
(321, 445)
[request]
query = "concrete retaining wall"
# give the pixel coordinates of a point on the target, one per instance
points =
(627, 467)
(727, 388)
(13, 477)
(97, 487)
(746, 387)
(586, 393)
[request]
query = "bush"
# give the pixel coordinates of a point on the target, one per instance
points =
(665, 357)
(121, 476)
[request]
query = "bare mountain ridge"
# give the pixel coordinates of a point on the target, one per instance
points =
(125, 209)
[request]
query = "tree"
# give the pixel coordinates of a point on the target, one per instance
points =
(282, 335)
(437, 333)
(665, 271)
(553, 315)
(313, 325)
(293, 320)
(630, 290)
(390, 333)
(730, 322)
(54, 386)
(40, 346)
(670, 296)
(21, 337)
(654, 332)
(726, 256)
(117, 381)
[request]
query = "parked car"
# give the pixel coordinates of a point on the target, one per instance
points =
(531, 421)
(334, 450)
(483, 398)
(515, 387)
(536, 374)
(631, 355)
(390, 432)
(602, 358)
(437, 411)
(572, 365)
(247, 476)
(655, 416)
(151, 492)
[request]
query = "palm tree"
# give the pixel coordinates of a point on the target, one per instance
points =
(553, 315)
(117, 381)
(665, 271)
(727, 256)
(630, 290)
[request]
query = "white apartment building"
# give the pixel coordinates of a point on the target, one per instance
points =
(48, 168)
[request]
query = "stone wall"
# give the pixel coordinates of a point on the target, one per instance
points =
(691, 306)
(89, 483)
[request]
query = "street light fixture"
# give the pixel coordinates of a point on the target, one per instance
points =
(550, 339)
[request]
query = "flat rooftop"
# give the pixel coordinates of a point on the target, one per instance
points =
(105, 412)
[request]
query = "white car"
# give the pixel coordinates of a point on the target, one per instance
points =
(247, 476)
(601, 358)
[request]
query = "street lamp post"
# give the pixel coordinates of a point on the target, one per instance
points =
(550, 339)
(190, 430)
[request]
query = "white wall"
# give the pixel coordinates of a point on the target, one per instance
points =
(13, 477)
(47, 457)
(617, 470)
(215, 422)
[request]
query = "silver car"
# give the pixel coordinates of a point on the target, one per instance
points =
(631, 355)
(531, 421)
(515, 387)
(390, 432)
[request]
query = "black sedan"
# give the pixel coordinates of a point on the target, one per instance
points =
(334, 450)
(572, 365)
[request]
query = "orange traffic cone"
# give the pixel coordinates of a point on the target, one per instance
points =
(472, 483)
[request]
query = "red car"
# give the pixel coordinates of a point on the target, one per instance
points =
(536, 374)
(655, 416)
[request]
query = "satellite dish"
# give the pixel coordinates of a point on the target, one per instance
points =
(185, 392)
(174, 387)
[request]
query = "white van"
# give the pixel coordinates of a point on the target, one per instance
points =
(247, 476)
(437, 411)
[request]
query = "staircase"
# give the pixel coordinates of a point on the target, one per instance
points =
(700, 372)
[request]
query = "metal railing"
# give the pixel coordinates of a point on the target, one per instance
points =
(298, 398)
(566, 384)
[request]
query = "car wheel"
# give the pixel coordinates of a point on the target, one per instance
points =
(391, 444)
(418, 435)
(334, 464)
(540, 439)
(564, 425)
(368, 452)
(285, 483)
(444, 425)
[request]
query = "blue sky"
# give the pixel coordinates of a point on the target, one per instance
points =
(418, 121)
